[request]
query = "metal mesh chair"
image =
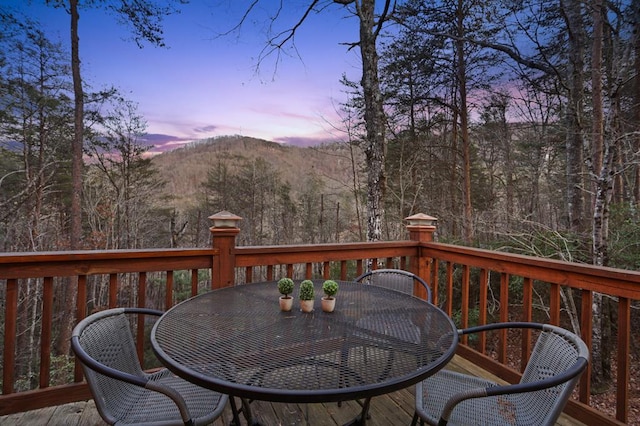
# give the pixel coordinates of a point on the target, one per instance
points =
(394, 279)
(123, 393)
(398, 280)
(556, 363)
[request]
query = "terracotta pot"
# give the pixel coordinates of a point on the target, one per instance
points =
(286, 303)
(328, 305)
(306, 305)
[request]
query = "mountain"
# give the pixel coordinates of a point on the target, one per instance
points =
(186, 168)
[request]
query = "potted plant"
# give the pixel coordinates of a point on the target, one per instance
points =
(330, 288)
(306, 296)
(285, 287)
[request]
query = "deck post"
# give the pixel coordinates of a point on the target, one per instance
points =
(223, 239)
(421, 228)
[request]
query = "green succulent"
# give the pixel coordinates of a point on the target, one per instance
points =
(306, 290)
(285, 286)
(330, 288)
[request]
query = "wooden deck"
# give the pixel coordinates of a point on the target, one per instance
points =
(392, 409)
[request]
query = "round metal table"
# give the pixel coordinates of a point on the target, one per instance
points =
(237, 341)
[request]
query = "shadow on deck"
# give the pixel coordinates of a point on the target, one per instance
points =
(391, 409)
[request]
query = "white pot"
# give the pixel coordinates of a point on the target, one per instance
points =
(286, 303)
(328, 305)
(306, 305)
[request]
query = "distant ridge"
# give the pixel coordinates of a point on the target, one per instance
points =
(185, 169)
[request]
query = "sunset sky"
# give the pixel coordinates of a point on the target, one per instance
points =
(203, 84)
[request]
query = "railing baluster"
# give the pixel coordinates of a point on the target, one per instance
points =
(45, 332)
(343, 270)
(113, 290)
(194, 282)
(142, 290)
(624, 342)
(326, 270)
(308, 270)
(10, 324)
(433, 275)
(554, 304)
(482, 308)
(527, 316)
(142, 303)
(586, 330)
(464, 308)
(81, 313)
(168, 302)
(504, 317)
(269, 272)
(449, 307)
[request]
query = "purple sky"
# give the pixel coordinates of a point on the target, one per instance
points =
(202, 85)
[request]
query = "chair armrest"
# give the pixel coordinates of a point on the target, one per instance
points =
(583, 350)
(501, 325)
(398, 272)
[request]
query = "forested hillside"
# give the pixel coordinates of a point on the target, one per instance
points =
(186, 169)
(284, 193)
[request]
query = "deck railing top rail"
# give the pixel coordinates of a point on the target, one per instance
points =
(610, 281)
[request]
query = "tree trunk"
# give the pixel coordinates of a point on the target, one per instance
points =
(464, 128)
(78, 137)
(374, 121)
(636, 103)
(575, 101)
(453, 181)
(75, 235)
(603, 154)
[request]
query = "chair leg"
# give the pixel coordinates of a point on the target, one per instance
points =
(234, 410)
(415, 419)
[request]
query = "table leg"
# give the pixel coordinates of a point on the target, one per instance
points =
(361, 419)
(246, 411)
(234, 410)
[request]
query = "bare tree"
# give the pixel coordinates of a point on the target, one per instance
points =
(145, 16)
(34, 135)
(131, 181)
(371, 24)
(572, 11)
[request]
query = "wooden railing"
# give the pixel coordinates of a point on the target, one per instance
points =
(462, 281)
(549, 279)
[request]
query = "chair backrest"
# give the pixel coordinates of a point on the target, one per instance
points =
(106, 337)
(394, 279)
(556, 351)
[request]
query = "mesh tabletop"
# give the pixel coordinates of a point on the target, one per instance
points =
(237, 341)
